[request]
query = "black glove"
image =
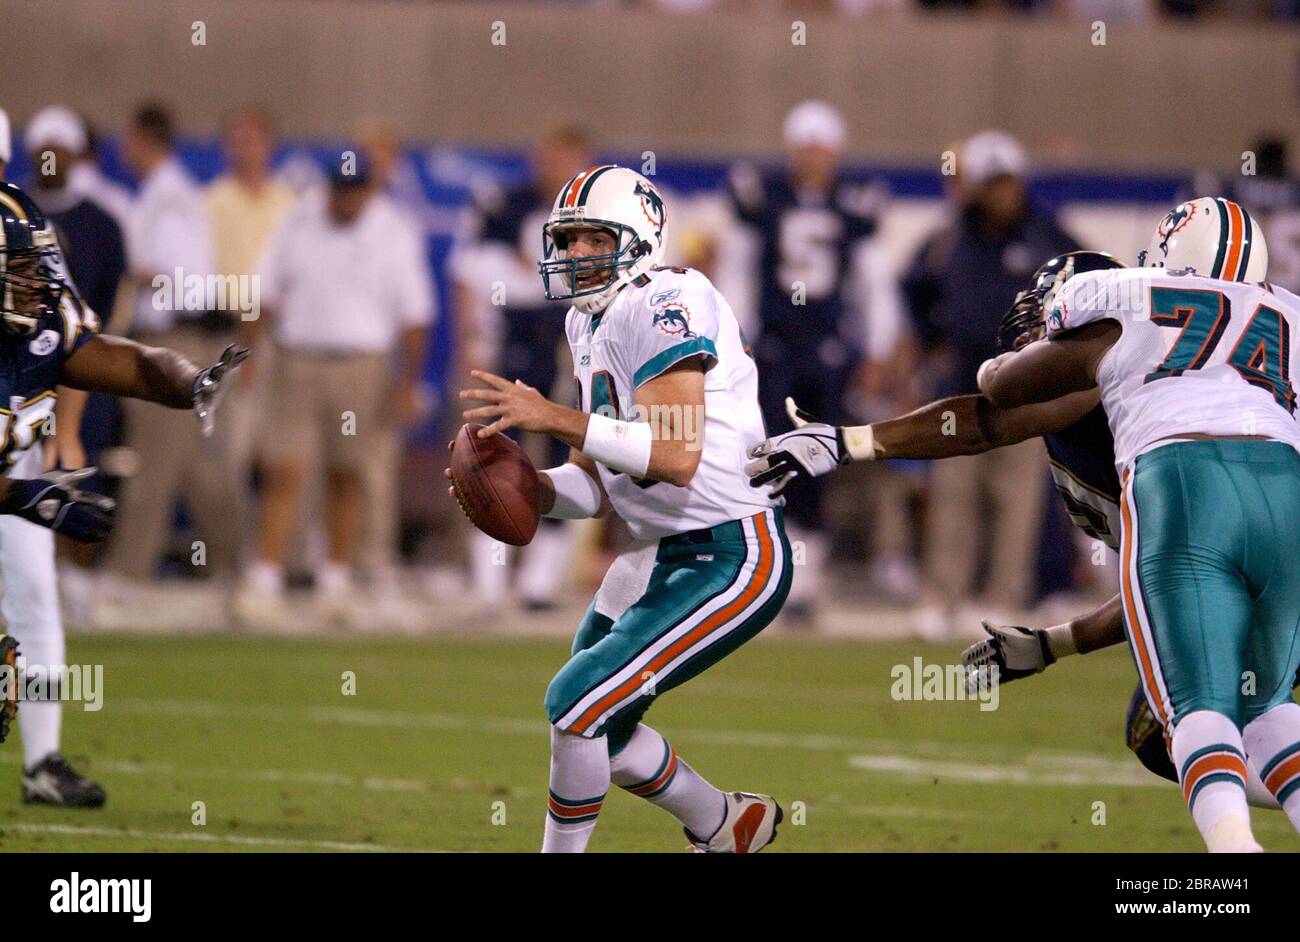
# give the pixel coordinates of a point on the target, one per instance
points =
(211, 384)
(53, 501)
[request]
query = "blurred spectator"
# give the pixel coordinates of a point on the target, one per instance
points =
(825, 302)
(87, 179)
(497, 279)
(245, 205)
(169, 246)
(396, 179)
(958, 287)
(346, 291)
(92, 240)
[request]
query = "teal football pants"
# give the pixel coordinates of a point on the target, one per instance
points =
(667, 611)
(1210, 575)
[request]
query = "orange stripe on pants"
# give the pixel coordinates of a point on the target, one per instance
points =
(755, 587)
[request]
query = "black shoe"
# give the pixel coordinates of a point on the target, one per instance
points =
(54, 782)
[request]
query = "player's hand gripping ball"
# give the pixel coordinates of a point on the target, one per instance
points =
(496, 485)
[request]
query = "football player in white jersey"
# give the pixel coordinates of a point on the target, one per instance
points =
(1195, 356)
(668, 407)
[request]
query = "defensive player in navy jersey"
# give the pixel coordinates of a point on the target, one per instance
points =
(1081, 452)
(48, 338)
(813, 226)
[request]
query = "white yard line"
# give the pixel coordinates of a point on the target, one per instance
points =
(201, 838)
(281, 776)
(395, 719)
(904, 758)
(1035, 770)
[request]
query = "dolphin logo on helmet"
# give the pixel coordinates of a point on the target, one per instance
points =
(1209, 236)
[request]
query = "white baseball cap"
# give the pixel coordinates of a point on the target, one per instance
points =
(813, 123)
(56, 126)
(990, 154)
(5, 144)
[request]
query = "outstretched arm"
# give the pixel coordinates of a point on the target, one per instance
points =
(960, 425)
(971, 425)
(1049, 368)
(121, 367)
(1019, 652)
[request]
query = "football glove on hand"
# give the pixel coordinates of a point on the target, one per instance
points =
(813, 448)
(211, 384)
(53, 501)
(1016, 652)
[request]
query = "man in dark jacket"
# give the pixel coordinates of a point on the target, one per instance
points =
(958, 288)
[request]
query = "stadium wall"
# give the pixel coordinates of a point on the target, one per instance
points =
(433, 69)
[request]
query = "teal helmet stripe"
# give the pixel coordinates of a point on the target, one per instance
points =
(586, 185)
(1247, 240)
(1216, 270)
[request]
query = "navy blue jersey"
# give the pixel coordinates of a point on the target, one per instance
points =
(1083, 469)
(808, 242)
(31, 369)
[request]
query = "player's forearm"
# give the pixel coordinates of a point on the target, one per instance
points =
(572, 491)
(121, 367)
(943, 429)
(1100, 628)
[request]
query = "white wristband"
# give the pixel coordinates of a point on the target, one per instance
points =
(860, 442)
(577, 496)
(619, 446)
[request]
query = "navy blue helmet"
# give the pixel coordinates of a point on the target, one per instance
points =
(1027, 316)
(32, 277)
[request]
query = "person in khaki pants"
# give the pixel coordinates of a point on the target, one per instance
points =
(168, 232)
(1010, 482)
(347, 295)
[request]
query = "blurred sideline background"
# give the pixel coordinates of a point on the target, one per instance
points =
(466, 117)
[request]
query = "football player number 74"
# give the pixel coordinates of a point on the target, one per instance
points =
(1261, 355)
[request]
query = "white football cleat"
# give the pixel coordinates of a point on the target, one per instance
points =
(750, 825)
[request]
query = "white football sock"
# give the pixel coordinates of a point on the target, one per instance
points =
(40, 721)
(649, 768)
(1257, 794)
(579, 781)
(1273, 743)
(545, 561)
(1211, 764)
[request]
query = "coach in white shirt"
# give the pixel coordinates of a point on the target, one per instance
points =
(169, 252)
(347, 300)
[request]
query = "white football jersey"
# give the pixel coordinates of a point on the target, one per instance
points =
(656, 321)
(1197, 355)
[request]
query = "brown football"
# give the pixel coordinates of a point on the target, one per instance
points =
(496, 485)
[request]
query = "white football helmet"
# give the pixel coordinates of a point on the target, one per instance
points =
(1210, 236)
(603, 197)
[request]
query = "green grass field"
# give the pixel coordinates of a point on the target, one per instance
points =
(444, 735)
